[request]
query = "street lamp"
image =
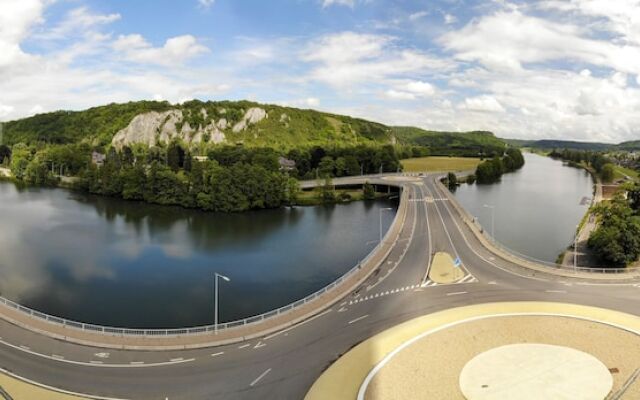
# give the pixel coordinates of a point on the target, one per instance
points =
(493, 225)
(381, 210)
(575, 250)
(217, 276)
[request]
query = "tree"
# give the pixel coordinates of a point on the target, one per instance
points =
(175, 156)
(452, 180)
(326, 166)
(5, 153)
(327, 191)
(617, 239)
(607, 173)
(368, 191)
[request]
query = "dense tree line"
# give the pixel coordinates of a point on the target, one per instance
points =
(598, 161)
(491, 170)
(206, 185)
(616, 241)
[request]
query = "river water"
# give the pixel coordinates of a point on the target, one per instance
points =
(106, 261)
(536, 208)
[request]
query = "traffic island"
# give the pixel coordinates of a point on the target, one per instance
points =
(426, 357)
(17, 389)
(444, 270)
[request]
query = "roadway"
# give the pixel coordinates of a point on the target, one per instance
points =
(285, 365)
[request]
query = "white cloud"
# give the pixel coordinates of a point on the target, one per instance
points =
(450, 19)
(484, 103)
(506, 40)
(399, 95)
(418, 15)
(6, 110)
(78, 20)
(411, 90)
(328, 3)
(176, 50)
(206, 3)
(17, 18)
(349, 58)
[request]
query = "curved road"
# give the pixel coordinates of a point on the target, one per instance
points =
(284, 365)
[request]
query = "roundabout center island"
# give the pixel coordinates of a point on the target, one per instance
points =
(496, 351)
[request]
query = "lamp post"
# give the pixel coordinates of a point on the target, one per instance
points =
(216, 277)
(381, 210)
(493, 225)
(575, 250)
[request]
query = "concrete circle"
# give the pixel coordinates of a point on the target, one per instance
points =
(535, 371)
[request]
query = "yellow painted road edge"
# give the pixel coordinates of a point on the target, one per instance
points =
(343, 379)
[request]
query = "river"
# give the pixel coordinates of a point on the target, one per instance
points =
(536, 208)
(111, 262)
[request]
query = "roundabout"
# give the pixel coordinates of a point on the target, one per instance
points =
(529, 350)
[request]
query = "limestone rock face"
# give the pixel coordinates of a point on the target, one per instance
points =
(251, 117)
(148, 128)
(154, 127)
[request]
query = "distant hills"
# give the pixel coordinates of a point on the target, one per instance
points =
(245, 123)
(549, 144)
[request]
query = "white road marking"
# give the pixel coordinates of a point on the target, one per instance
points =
(217, 354)
(455, 293)
(102, 355)
(25, 347)
(177, 359)
(358, 319)
(260, 377)
(556, 291)
(57, 356)
(343, 309)
(136, 362)
(91, 363)
(492, 283)
(244, 346)
(54, 389)
(297, 325)
(259, 345)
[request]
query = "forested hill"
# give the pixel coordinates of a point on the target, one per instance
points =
(549, 144)
(472, 143)
(196, 122)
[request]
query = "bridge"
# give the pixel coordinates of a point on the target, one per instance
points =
(279, 355)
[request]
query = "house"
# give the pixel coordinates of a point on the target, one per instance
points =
(98, 158)
(200, 158)
(286, 164)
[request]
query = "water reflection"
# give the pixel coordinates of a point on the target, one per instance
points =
(113, 262)
(536, 208)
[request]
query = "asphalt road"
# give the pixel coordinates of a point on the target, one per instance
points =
(285, 365)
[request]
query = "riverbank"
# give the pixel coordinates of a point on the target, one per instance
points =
(314, 197)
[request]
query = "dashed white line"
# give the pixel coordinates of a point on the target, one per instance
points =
(358, 319)
(244, 346)
(217, 354)
(455, 293)
(177, 359)
(260, 377)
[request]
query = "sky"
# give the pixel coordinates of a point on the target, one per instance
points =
(552, 69)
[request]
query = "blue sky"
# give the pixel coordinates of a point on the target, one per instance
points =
(545, 69)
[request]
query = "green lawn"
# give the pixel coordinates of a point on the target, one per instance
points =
(440, 164)
(620, 172)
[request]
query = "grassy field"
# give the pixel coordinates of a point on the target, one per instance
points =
(312, 197)
(620, 172)
(440, 164)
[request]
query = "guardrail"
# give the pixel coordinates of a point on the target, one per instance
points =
(401, 212)
(519, 256)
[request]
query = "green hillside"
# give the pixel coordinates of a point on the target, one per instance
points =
(452, 143)
(629, 146)
(283, 127)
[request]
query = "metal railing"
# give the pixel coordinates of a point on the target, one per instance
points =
(400, 214)
(522, 257)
